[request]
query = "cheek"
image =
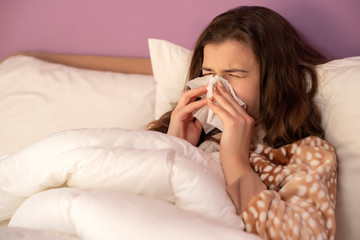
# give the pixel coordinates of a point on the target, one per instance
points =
(250, 94)
(254, 108)
(253, 105)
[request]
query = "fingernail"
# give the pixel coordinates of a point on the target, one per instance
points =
(220, 84)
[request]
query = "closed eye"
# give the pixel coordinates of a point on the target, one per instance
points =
(236, 75)
(233, 72)
(207, 71)
(208, 74)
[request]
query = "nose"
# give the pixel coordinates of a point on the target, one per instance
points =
(220, 74)
(224, 76)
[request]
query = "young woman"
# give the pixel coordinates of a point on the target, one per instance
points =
(280, 174)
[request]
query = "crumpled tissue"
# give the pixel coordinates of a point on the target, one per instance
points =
(205, 115)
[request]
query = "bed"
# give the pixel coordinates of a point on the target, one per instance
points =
(76, 160)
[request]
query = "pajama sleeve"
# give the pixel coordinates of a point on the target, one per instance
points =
(299, 199)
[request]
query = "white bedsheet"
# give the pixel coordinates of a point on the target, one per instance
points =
(116, 184)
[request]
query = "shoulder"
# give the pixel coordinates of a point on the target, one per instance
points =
(307, 149)
(309, 155)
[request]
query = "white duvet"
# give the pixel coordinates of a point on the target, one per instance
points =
(115, 184)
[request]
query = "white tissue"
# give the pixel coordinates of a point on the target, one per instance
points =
(205, 115)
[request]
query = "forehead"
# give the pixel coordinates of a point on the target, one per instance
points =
(230, 53)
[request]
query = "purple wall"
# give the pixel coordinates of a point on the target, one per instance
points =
(122, 27)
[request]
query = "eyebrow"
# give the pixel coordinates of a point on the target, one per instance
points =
(231, 70)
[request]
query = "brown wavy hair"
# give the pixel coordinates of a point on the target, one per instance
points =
(288, 79)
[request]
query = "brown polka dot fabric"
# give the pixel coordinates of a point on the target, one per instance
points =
(299, 202)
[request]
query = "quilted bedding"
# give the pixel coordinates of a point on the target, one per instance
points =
(115, 184)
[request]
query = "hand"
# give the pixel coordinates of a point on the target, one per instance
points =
(182, 123)
(236, 136)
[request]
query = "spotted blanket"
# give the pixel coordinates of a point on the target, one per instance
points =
(299, 202)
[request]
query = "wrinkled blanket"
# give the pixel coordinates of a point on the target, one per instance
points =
(115, 184)
(300, 199)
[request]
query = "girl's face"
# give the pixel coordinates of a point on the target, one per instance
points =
(236, 62)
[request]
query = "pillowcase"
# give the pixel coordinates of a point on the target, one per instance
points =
(38, 98)
(338, 99)
(170, 64)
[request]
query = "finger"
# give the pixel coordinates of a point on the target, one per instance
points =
(218, 110)
(191, 95)
(226, 102)
(191, 107)
(227, 95)
(185, 113)
(227, 117)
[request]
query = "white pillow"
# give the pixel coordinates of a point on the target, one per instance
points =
(170, 64)
(38, 98)
(338, 99)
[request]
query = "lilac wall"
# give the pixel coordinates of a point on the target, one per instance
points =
(121, 27)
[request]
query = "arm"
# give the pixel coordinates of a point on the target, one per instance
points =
(244, 189)
(301, 176)
(243, 183)
(236, 136)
